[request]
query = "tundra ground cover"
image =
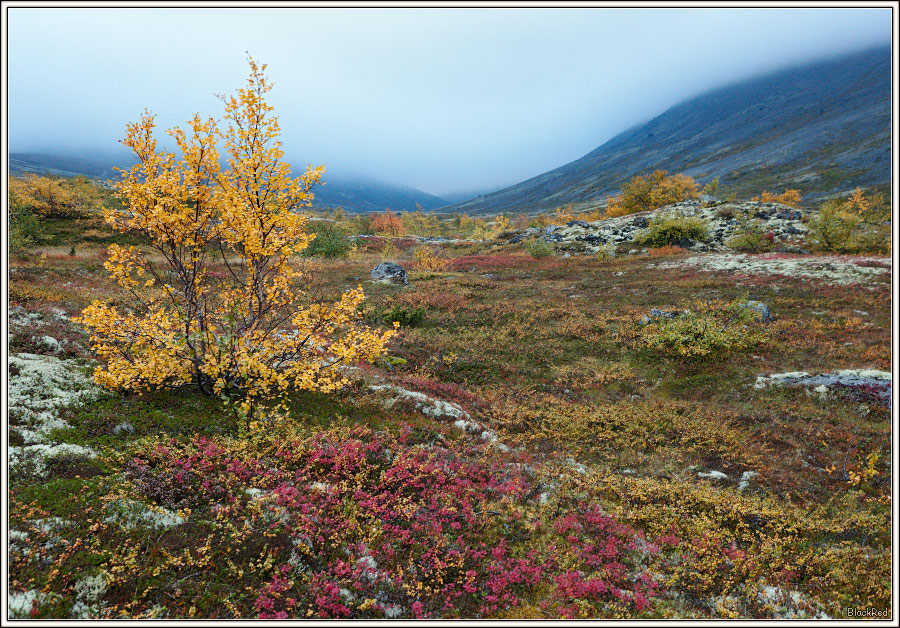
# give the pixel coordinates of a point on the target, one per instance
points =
(616, 481)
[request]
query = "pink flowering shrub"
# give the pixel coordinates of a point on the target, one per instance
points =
(367, 524)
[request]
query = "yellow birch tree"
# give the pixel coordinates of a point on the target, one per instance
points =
(215, 304)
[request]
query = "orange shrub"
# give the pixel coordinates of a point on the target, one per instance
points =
(791, 198)
(662, 251)
(388, 224)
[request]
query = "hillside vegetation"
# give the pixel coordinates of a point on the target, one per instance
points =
(527, 449)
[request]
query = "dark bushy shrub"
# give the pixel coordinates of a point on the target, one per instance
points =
(665, 230)
(330, 241)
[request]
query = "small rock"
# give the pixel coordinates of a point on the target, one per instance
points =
(641, 223)
(713, 475)
(51, 343)
(765, 315)
(745, 479)
(123, 427)
(654, 313)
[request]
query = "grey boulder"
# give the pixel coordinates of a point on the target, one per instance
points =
(390, 272)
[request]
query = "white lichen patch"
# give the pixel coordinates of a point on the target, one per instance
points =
(746, 476)
(392, 611)
(88, 592)
(17, 536)
(40, 385)
(865, 373)
(51, 523)
(35, 457)
(428, 406)
(829, 269)
(789, 604)
(465, 425)
(133, 514)
(20, 603)
(879, 382)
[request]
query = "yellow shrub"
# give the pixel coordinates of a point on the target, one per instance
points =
(224, 333)
(712, 330)
(426, 259)
(651, 191)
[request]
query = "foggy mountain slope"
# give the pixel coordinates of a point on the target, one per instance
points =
(354, 195)
(366, 195)
(63, 166)
(820, 128)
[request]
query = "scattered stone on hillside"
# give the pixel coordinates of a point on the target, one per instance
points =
(654, 313)
(789, 604)
(428, 406)
(746, 476)
(439, 409)
(51, 343)
(765, 315)
(390, 272)
(830, 269)
(865, 383)
(525, 234)
(785, 223)
(123, 428)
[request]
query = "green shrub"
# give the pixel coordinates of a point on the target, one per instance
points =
(832, 228)
(330, 241)
(538, 248)
(709, 330)
(407, 317)
(665, 230)
(24, 228)
(726, 211)
(857, 224)
(606, 252)
(750, 237)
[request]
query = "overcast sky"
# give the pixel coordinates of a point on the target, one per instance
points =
(445, 100)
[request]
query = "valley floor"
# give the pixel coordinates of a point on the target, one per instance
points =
(521, 455)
